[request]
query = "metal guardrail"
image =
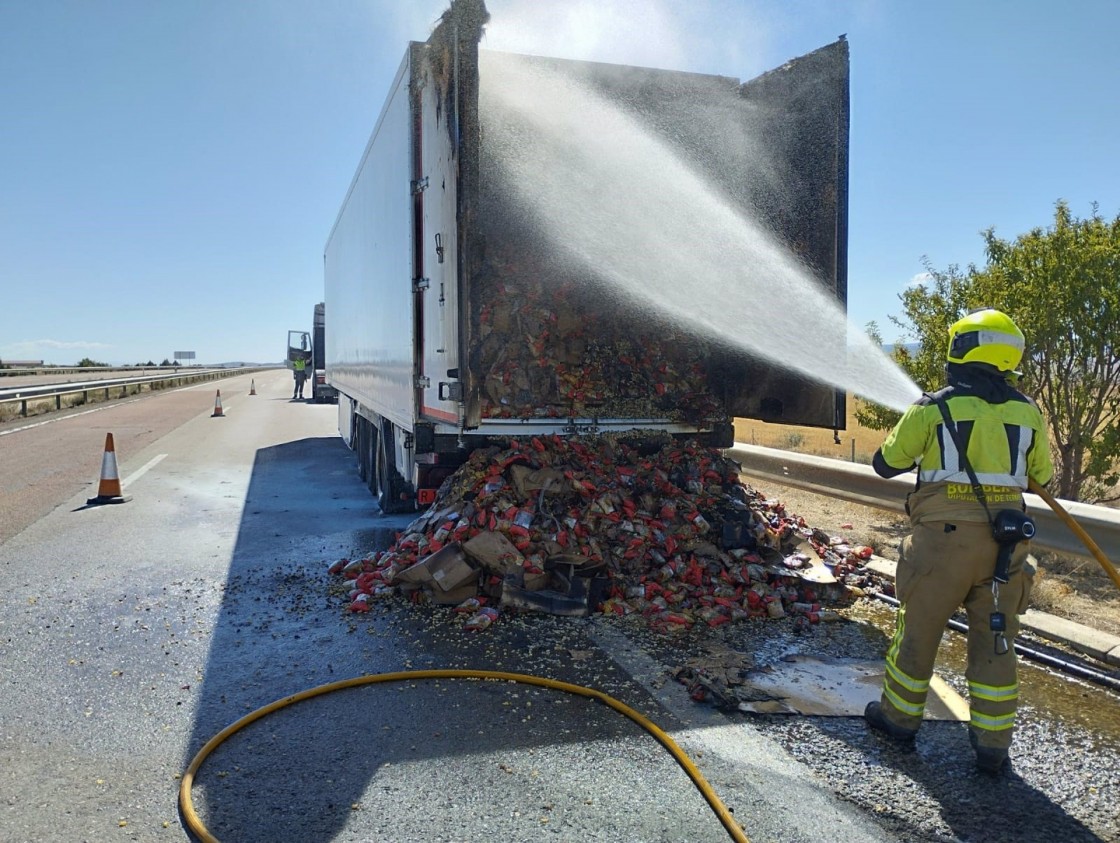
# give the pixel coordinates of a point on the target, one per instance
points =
(39, 392)
(860, 484)
(9, 372)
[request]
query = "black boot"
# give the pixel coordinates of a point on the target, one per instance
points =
(875, 718)
(989, 759)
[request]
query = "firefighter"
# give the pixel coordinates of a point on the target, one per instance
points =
(950, 556)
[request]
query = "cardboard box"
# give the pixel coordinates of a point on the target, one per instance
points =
(455, 596)
(494, 552)
(414, 575)
(450, 569)
(528, 481)
(535, 581)
(447, 569)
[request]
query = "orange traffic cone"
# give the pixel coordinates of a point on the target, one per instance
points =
(109, 489)
(217, 405)
(253, 387)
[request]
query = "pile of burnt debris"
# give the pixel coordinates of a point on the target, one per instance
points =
(623, 525)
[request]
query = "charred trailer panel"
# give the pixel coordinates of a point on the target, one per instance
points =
(547, 335)
(801, 116)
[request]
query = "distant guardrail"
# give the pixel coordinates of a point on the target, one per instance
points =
(9, 372)
(860, 484)
(40, 392)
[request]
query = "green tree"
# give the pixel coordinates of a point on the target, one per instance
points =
(87, 362)
(1061, 285)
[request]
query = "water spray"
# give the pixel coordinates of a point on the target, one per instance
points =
(623, 203)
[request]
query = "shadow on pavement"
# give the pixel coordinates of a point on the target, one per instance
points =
(940, 769)
(357, 758)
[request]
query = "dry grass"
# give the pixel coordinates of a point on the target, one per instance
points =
(1077, 589)
(857, 444)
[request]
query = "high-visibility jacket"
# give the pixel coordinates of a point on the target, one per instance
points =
(300, 364)
(1006, 444)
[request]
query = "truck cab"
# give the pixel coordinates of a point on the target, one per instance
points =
(299, 347)
(321, 391)
(311, 347)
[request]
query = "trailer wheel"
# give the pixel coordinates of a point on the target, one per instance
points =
(373, 439)
(389, 481)
(361, 446)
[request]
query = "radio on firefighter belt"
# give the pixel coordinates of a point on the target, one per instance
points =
(1009, 527)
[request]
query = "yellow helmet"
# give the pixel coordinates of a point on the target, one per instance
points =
(986, 336)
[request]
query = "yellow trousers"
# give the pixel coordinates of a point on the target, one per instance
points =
(943, 565)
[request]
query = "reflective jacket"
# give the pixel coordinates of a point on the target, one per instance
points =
(1005, 442)
(300, 364)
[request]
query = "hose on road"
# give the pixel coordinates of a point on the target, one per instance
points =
(198, 828)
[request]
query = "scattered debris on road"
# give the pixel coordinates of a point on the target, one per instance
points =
(570, 526)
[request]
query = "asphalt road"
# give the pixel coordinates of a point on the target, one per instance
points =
(130, 634)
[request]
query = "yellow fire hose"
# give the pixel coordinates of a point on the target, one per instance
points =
(197, 827)
(1078, 531)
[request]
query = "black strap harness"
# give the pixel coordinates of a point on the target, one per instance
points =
(1009, 527)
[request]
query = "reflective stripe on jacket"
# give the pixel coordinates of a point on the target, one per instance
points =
(1006, 444)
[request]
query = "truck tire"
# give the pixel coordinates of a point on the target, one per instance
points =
(365, 444)
(361, 448)
(372, 443)
(389, 482)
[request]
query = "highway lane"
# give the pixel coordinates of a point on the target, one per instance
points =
(107, 613)
(131, 634)
(49, 458)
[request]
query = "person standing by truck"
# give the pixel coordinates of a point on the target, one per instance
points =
(299, 371)
(975, 444)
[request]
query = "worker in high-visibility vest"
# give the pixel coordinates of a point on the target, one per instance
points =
(949, 559)
(299, 371)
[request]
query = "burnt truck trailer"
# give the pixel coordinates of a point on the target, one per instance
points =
(455, 321)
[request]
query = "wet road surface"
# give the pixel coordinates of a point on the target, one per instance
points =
(131, 634)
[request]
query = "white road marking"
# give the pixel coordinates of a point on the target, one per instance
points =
(140, 472)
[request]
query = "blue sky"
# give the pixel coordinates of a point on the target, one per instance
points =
(169, 171)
